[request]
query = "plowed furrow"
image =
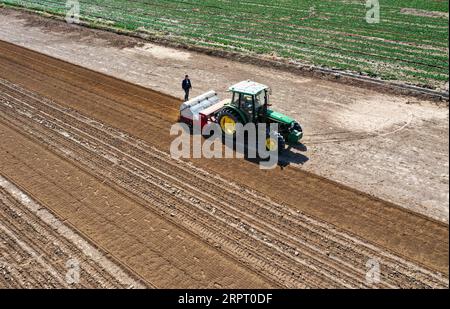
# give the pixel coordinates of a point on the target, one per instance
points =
(36, 247)
(394, 274)
(84, 96)
(72, 85)
(33, 268)
(79, 77)
(240, 245)
(46, 241)
(278, 233)
(270, 209)
(11, 255)
(287, 246)
(149, 196)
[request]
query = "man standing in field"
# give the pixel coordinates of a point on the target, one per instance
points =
(186, 85)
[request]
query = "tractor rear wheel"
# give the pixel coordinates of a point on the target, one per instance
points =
(228, 119)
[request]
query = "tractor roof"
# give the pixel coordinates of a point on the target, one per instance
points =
(248, 87)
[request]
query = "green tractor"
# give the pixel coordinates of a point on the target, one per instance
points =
(249, 103)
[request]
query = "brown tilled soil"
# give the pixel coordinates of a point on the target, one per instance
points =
(40, 251)
(392, 147)
(93, 150)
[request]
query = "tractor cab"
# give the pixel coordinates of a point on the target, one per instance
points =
(251, 98)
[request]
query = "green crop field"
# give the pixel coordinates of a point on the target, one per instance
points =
(409, 44)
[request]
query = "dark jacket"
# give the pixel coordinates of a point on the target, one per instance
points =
(186, 84)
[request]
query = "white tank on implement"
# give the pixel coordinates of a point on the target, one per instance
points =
(191, 109)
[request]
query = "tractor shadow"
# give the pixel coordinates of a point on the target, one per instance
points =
(300, 147)
(286, 158)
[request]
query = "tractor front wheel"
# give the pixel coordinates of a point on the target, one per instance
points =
(272, 145)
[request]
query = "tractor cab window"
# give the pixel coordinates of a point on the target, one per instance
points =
(260, 100)
(246, 101)
(246, 104)
(235, 100)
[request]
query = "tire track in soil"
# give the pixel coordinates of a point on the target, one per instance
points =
(158, 198)
(54, 249)
(241, 202)
(15, 255)
(227, 274)
(49, 272)
(133, 108)
(399, 278)
(122, 104)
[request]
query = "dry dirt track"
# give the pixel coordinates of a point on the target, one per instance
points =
(94, 150)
